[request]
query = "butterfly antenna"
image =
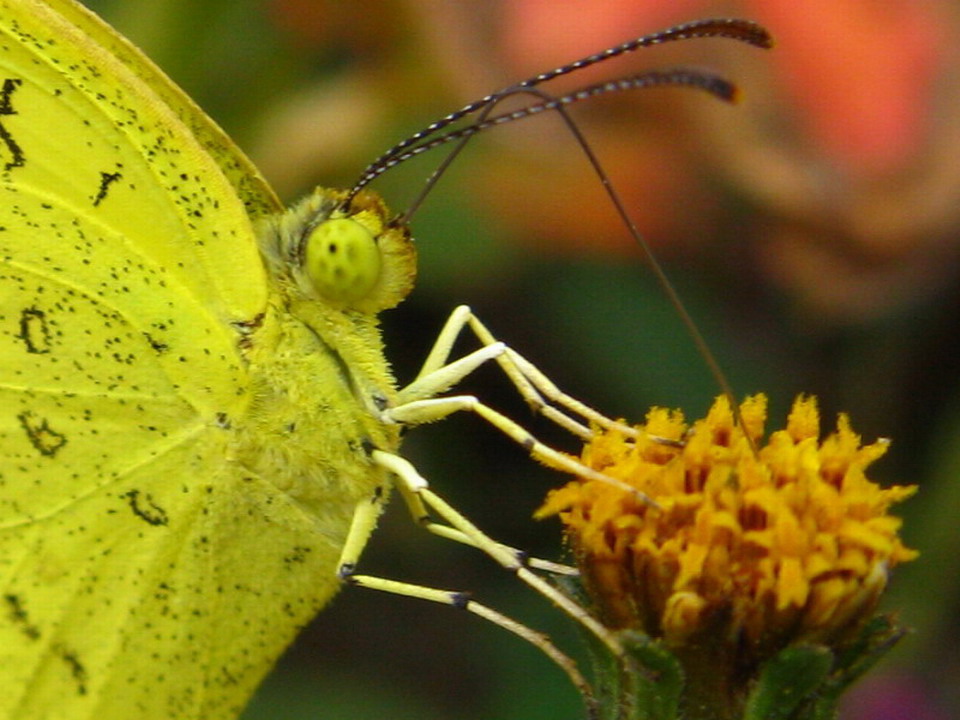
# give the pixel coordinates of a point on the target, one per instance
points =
(724, 90)
(713, 84)
(663, 280)
(706, 81)
(731, 28)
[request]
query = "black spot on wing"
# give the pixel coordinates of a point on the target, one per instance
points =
(160, 347)
(6, 93)
(34, 331)
(77, 671)
(44, 439)
(146, 509)
(19, 617)
(8, 145)
(106, 179)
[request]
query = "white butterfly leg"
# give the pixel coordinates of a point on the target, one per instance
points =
(417, 402)
(419, 497)
(438, 374)
(413, 487)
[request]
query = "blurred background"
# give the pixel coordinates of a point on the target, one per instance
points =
(812, 229)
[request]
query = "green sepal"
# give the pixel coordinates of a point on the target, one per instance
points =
(645, 683)
(807, 682)
(874, 641)
(652, 680)
(802, 682)
(786, 681)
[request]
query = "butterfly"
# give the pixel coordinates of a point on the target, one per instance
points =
(198, 428)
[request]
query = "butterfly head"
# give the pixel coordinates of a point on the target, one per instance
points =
(346, 254)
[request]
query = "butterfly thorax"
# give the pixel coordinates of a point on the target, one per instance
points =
(318, 375)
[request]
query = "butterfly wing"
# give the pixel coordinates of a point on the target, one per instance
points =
(143, 573)
(256, 194)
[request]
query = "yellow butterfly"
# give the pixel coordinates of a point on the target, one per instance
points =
(195, 399)
(198, 428)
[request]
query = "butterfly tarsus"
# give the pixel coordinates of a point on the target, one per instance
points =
(417, 402)
(414, 489)
(410, 492)
(536, 389)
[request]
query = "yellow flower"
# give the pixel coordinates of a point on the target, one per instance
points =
(746, 547)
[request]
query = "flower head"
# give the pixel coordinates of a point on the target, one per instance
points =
(746, 547)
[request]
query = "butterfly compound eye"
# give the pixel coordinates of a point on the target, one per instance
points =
(342, 260)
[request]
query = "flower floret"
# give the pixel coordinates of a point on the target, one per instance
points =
(762, 544)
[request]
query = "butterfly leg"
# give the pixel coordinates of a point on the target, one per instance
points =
(438, 374)
(421, 501)
(410, 489)
(418, 404)
(364, 521)
(418, 412)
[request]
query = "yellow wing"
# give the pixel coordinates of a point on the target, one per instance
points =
(180, 452)
(253, 190)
